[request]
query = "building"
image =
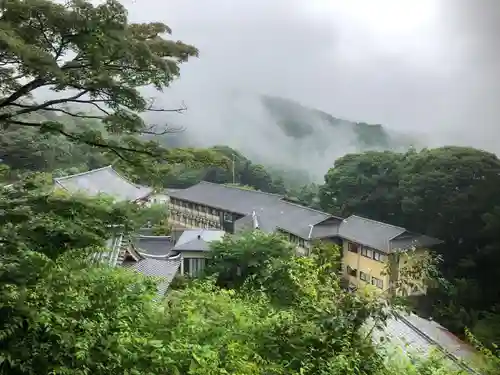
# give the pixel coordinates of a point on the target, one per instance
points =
(372, 252)
(193, 247)
(370, 248)
(105, 181)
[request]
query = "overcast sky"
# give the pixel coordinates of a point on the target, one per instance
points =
(428, 65)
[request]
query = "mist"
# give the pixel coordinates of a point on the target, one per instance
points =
(422, 68)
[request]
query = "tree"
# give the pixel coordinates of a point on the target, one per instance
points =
(449, 193)
(90, 56)
(365, 184)
(33, 218)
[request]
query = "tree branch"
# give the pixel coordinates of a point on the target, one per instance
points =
(23, 90)
(44, 105)
(76, 138)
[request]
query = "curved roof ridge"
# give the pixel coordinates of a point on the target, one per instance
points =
(57, 179)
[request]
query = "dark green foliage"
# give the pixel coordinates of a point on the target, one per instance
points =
(33, 218)
(450, 193)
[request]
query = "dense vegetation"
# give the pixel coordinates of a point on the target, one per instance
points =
(259, 309)
(450, 193)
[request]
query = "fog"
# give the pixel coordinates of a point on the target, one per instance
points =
(416, 66)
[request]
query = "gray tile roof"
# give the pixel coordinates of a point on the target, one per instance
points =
(381, 236)
(166, 269)
(420, 337)
(154, 245)
(272, 211)
(197, 239)
(103, 181)
(369, 232)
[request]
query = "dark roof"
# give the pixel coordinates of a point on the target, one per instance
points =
(103, 181)
(271, 210)
(154, 245)
(166, 269)
(381, 236)
(197, 239)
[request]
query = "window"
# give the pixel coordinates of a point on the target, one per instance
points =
(364, 276)
(351, 271)
(379, 257)
(193, 266)
(228, 217)
(302, 243)
(378, 283)
(366, 252)
(214, 212)
(353, 247)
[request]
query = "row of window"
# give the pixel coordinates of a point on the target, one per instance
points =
(294, 239)
(197, 207)
(379, 283)
(228, 217)
(366, 252)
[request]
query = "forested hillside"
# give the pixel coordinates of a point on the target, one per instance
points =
(279, 133)
(259, 309)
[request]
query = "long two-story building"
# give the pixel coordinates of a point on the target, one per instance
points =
(370, 248)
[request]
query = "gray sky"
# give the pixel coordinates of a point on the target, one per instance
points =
(424, 65)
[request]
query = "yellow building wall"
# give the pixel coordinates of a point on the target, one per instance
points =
(361, 263)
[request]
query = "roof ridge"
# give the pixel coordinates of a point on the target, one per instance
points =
(239, 189)
(83, 173)
(309, 208)
(378, 222)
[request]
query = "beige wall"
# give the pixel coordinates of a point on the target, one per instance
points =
(391, 264)
(365, 264)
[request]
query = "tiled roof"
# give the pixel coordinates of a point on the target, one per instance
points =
(166, 269)
(197, 239)
(103, 181)
(418, 336)
(381, 236)
(272, 211)
(369, 232)
(154, 245)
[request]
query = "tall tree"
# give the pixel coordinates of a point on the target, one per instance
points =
(91, 57)
(450, 193)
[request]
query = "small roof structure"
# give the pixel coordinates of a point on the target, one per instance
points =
(197, 239)
(103, 181)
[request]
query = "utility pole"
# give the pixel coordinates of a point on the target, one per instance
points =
(233, 170)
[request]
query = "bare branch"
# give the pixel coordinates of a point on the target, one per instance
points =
(92, 102)
(168, 130)
(150, 108)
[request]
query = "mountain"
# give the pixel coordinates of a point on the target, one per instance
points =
(280, 133)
